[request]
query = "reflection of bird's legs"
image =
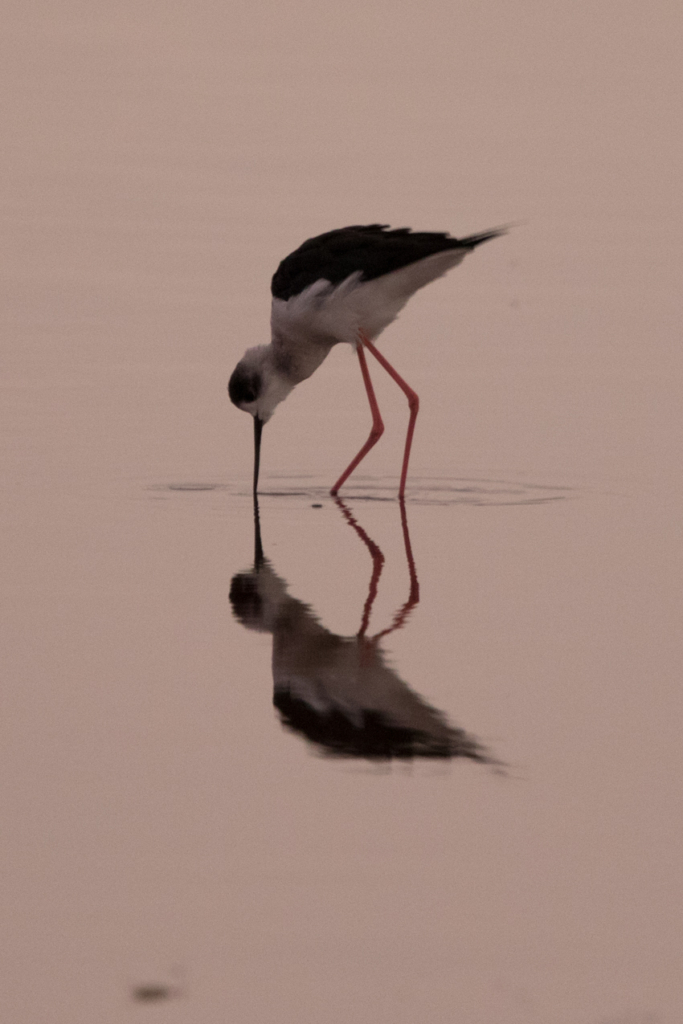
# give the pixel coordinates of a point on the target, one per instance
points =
(414, 595)
(377, 564)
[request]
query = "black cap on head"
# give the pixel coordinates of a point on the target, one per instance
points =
(244, 386)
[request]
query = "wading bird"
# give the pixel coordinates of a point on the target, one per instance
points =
(344, 286)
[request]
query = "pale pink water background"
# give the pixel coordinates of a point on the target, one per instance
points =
(158, 824)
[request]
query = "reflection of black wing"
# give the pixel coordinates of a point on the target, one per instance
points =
(373, 736)
(338, 691)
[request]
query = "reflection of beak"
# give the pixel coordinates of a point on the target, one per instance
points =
(258, 546)
(258, 427)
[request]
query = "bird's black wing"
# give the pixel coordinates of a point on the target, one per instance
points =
(373, 249)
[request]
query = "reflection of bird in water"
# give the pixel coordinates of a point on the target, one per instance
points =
(338, 691)
(344, 286)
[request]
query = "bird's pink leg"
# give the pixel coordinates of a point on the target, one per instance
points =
(377, 425)
(413, 404)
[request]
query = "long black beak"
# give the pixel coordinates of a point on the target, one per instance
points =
(258, 427)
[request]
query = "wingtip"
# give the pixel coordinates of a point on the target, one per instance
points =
(485, 236)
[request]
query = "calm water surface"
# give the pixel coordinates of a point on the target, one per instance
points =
(393, 764)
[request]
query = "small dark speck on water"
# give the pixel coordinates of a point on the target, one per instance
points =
(316, 506)
(152, 993)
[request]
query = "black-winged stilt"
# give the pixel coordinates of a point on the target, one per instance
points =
(344, 286)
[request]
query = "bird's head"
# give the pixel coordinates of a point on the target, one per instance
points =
(257, 386)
